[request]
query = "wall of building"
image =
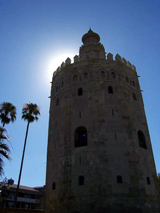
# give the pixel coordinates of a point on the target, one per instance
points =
(112, 121)
(12, 210)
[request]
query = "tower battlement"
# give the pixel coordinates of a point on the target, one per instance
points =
(77, 59)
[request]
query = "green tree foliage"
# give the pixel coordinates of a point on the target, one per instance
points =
(7, 113)
(30, 113)
(4, 148)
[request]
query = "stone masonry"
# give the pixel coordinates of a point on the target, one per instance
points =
(99, 155)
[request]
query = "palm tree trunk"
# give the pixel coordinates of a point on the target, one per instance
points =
(21, 164)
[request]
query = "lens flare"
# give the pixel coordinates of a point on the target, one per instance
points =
(57, 61)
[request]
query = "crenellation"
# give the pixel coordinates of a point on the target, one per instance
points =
(68, 61)
(129, 64)
(133, 67)
(110, 56)
(76, 59)
(54, 74)
(58, 69)
(62, 65)
(118, 58)
(93, 55)
(124, 61)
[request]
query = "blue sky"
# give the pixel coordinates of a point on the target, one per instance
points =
(36, 34)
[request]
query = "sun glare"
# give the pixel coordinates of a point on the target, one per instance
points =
(57, 61)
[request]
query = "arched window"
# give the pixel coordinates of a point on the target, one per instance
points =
(80, 91)
(102, 74)
(80, 137)
(75, 78)
(57, 102)
(134, 97)
(53, 186)
(62, 84)
(148, 181)
(119, 179)
(57, 89)
(113, 75)
(127, 79)
(85, 75)
(142, 140)
(81, 180)
(133, 83)
(110, 90)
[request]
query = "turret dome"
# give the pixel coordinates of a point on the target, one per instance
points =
(90, 37)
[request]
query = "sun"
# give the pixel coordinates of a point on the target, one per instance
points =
(53, 61)
(58, 60)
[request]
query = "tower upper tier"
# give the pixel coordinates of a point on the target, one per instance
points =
(90, 38)
(91, 47)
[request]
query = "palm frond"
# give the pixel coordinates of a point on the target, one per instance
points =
(2, 135)
(4, 146)
(1, 167)
(7, 113)
(5, 154)
(30, 112)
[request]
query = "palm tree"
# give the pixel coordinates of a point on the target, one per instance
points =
(30, 113)
(4, 149)
(7, 113)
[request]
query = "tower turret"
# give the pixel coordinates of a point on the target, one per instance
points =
(91, 48)
(90, 38)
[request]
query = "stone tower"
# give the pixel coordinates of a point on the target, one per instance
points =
(99, 155)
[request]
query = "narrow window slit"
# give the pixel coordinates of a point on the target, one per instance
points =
(80, 160)
(53, 186)
(134, 97)
(148, 181)
(115, 136)
(57, 102)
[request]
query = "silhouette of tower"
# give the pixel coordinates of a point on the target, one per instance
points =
(99, 155)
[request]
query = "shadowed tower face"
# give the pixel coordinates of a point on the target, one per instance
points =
(99, 155)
